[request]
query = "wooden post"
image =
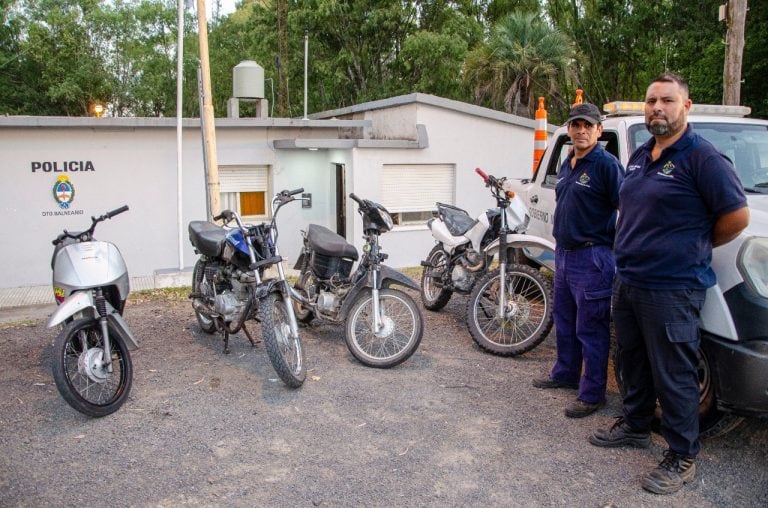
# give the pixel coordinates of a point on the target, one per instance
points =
(208, 120)
(734, 48)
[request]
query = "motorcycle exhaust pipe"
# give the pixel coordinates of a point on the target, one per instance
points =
(203, 308)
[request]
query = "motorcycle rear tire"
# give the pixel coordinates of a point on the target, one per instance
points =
(432, 297)
(207, 324)
(403, 329)
(79, 388)
(303, 313)
(528, 319)
(285, 352)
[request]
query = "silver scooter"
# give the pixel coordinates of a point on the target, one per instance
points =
(92, 363)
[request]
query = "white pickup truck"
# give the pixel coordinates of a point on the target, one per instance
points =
(733, 371)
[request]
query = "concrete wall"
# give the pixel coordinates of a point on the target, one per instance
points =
(133, 161)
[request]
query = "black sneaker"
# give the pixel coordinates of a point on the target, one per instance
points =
(579, 409)
(671, 474)
(620, 434)
(549, 383)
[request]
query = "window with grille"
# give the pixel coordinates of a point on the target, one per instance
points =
(410, 191)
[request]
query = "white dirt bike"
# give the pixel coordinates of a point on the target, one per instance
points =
(510, 307)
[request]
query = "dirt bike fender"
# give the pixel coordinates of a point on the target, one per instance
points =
(388, 277)
(518, 241)
(79, 302)
(299, 262)
(117, 321)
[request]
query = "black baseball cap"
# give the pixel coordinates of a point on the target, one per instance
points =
(585, 111)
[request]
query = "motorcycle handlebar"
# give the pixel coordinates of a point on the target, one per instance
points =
(116, 211)
(225, 214)
(354, 196)
(293, 192)
(482, 174)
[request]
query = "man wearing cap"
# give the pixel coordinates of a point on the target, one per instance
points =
(587, 195)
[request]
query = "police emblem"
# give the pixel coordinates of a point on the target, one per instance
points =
(584, 178)
(63, 191)
(668, 168)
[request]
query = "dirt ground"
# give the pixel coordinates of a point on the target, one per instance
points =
(452, 426)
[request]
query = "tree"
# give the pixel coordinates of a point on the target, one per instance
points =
(524, 58)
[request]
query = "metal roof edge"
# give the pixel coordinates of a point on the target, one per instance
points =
(170, 122)
(431, 100)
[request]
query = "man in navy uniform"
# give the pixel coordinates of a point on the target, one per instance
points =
(587, 194)
(680, 198)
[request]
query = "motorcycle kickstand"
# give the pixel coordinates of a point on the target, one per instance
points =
(226, 342)
(248, 334)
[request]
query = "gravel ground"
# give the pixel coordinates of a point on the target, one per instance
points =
(452, 426)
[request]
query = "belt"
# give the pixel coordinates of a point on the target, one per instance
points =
(583, 245)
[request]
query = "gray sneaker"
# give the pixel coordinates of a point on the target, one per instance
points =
(671, 474)
(620, 434)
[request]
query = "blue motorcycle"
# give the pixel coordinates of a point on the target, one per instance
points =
(229, 286)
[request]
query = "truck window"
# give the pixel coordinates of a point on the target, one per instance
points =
(563, 146)
(746, 145)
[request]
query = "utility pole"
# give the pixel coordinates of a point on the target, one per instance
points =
(207, 117)
(735, 21)
(282, 58)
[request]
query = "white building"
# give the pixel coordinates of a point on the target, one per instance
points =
(406, 152)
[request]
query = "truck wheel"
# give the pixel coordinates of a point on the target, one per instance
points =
(712, 421)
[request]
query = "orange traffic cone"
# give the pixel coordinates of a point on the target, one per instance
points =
(540, 134)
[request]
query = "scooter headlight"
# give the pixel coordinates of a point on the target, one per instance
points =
(753, 264)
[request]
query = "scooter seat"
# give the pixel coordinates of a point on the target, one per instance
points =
(328, 243)
(456, 220)
(207, 238)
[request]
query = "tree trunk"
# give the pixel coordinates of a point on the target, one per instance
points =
(734, 49)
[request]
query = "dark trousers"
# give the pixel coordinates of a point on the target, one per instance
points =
(583, 280)
(657, 333)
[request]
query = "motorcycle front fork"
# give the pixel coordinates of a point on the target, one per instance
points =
(287, 290)
(101, 307)
(378, 322)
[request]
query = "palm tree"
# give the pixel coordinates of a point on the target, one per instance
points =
(523, 57)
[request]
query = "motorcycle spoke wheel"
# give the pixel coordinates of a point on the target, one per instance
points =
(398, 338)
(285, 352)
(81, 375)
(305, 285)
(433, 295)
(200, 285)
(527, 315)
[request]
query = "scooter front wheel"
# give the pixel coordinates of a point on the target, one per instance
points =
(399, 335)
(82, 375)
(524, 320)
(285, 352)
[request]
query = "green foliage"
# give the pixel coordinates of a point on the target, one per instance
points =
(59, 56)
(524, 58)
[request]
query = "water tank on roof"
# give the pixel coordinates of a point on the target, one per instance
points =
(248, 80)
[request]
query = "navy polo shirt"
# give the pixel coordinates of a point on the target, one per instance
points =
(668, 209)
(587, 197)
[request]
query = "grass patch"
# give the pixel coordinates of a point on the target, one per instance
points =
(179, 294)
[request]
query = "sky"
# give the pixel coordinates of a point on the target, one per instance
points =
(227, 7)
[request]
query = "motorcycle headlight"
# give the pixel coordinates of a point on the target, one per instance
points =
(753, 264)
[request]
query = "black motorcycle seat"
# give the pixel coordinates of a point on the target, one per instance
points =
(207, 238)
(328, 243)
(456, 220)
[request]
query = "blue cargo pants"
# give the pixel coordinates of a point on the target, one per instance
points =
(582, 307)
(657, 336)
